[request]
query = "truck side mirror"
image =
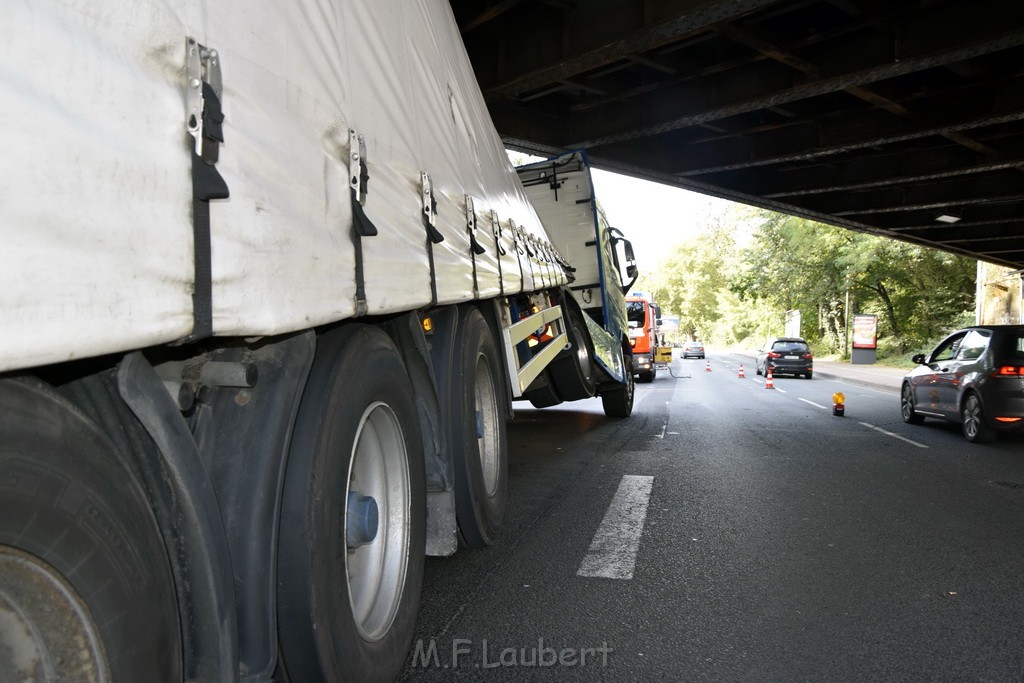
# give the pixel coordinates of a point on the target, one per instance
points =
(627, 251)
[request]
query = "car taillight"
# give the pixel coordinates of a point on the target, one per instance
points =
(808, 356)
(1008, 419)
(1009, 371)
(772, 354)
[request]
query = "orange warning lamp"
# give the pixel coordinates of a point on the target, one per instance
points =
(838, 404)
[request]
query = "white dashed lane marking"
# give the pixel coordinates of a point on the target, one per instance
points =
(612, 553)
(816, 405)
(895, 436)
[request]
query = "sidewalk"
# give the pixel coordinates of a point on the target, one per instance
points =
(871, 375)
(879, 376)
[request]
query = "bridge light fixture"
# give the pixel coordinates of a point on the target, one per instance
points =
(947, 218)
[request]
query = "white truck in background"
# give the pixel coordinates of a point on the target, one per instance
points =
(561, 190)
(268, 288)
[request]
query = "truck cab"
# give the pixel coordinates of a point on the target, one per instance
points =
(603, 266)
(643, 317)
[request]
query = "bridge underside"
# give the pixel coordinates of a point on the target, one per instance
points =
(903, 119)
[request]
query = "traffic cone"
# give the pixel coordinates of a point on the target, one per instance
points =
(742, 376)
(708, 368)
(769, 384)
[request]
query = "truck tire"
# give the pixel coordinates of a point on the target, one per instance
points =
(619, 401)
(543, 396)
(648, 377)
(353, 514)
(574, 374)
(477, 433)
(86, 590)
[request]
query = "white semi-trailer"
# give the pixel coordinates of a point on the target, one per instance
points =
(268, 287)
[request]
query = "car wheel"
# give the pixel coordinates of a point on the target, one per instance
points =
(907, 406)
(808, 375)
(757, 370)
(973, 420)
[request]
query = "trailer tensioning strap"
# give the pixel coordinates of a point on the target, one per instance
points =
(434, 236)
(362, 227)
(207, 184)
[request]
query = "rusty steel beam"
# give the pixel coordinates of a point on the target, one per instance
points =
(813, 88)
(932, 205)
(700, 18)
(636, 170)
(827, 143)
(488, 14)
(883, 170)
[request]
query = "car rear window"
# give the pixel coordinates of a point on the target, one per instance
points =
(1012, 346)
(790, 347)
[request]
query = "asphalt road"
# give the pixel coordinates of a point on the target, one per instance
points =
(764, 538)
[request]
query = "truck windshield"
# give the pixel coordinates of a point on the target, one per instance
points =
(635, 313)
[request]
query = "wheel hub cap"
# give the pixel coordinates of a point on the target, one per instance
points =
(46, 632)
(362, 520)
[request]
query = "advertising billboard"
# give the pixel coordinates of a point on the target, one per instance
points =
(865, 331)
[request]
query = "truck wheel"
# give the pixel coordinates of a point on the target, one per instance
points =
(543, 396)
(86, 591)
(574, 373)
(647, 377)
(619, 401)
(353, 514)
(476, 428)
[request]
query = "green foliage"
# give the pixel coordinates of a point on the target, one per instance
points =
(690, 282)
(733, 295)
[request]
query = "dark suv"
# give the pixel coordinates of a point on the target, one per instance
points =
(785, 355)
(975, 376)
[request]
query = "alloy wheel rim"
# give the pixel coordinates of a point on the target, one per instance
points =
(972, 416)
(908, 403)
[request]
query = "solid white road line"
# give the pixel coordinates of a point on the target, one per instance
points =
(612, 553)
(895, 436)
(816, 405)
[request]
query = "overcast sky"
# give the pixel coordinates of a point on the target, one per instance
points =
(654, 217)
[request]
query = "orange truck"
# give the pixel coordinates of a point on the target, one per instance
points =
(649, 351)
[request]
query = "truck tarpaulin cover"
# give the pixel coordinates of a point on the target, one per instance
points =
(96, 214)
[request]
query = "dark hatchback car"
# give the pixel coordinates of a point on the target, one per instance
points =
(975, 376)
(785, 356)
